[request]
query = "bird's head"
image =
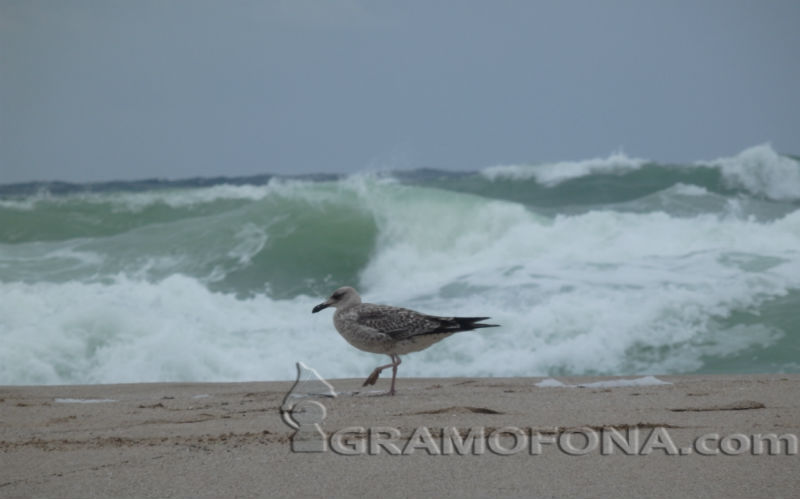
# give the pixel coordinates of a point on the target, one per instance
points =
(341, 298)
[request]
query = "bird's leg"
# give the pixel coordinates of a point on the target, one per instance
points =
(395, 362)
(372, 378)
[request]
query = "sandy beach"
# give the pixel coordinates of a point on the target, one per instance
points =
(698, 436)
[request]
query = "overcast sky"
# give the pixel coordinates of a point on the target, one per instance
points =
(125, 89)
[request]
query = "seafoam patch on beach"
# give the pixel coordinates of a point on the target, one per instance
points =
(613, 383)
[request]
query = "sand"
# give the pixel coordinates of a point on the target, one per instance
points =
(229, 440)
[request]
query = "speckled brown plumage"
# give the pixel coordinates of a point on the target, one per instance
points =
(390, 330)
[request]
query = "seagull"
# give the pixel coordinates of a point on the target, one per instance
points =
(390, 330)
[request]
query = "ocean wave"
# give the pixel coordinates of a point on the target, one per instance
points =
(762, 171)
(600, 292)
(759, 171)
(678, 273)
(138, 201)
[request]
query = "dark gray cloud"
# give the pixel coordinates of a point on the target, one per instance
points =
(95, 90)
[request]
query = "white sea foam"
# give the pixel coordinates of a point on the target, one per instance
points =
(26, 204)
(612, 383)
(761, 171)
(188, 197)
(251, 240)
(551, 383)
(134, 331)
(689, 190)
(551, 174)
(617, 383)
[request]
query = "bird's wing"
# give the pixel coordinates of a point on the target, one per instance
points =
(399, 323)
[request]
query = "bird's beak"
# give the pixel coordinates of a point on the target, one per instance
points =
(320, 307)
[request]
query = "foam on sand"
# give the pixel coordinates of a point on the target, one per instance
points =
(613, 383)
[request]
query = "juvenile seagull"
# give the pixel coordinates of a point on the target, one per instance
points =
(390, 330)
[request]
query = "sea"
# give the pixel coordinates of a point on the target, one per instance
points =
(607, 266)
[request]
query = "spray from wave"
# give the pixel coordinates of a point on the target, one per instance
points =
(550, 174)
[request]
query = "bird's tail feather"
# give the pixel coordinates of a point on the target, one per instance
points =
(472, 322)
(457, 324)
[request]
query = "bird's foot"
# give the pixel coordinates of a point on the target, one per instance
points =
(372, 378)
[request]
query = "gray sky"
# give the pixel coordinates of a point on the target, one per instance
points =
(112, 89)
